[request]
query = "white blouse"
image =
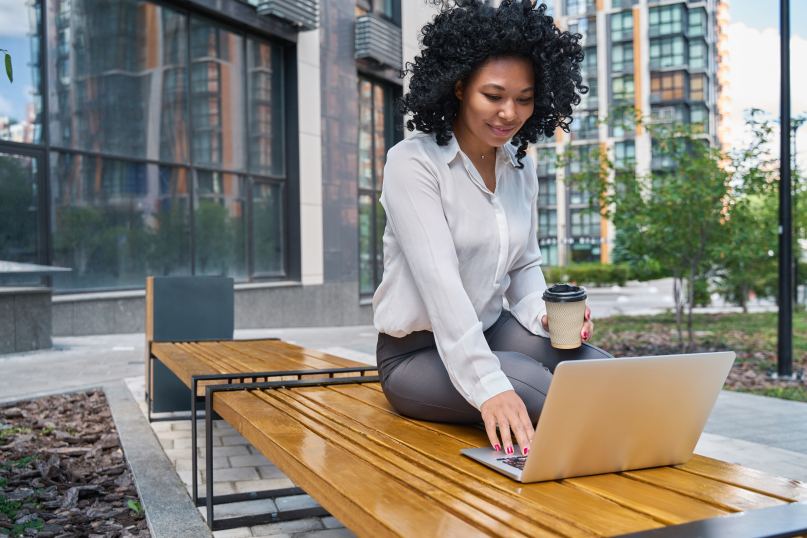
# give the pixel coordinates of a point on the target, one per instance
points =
(453, 250)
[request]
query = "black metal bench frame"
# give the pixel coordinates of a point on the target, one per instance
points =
(229, 384)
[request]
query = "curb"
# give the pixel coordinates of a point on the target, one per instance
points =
(169, 510)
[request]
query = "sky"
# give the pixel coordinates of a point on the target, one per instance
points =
(753, 45)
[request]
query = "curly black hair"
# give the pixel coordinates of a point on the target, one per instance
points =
(463, 35)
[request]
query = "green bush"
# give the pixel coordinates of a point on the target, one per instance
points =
(588, 274)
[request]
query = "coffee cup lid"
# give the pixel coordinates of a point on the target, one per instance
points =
(564, 293)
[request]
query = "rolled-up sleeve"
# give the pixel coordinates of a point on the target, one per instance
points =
(527, 282)
(411, 199)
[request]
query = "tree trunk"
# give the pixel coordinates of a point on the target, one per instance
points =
(678, 311)
(690, 305)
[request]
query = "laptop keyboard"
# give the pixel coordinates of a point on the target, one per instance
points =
(514, 461)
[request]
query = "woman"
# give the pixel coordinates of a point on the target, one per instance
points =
(460, 198)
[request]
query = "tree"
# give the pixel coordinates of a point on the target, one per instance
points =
(747, 261)
(7, 62)
(673, 217)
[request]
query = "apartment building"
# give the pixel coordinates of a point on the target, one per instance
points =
(660, 57)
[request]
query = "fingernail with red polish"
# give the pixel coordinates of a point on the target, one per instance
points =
(497, 448)
(509, 450)
(585, 336)
(526, 450)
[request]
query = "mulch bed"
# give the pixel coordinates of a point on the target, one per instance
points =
(751, 368)
(62, 470)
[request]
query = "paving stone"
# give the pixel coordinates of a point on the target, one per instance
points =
(251, 460)
(185, 425)
(245, 508)
(241, 532)
(298, 525)
(186, 442)
(232, 450)
(233, 474)
(167, 444)
(331, 522)
(295, 502)
(230, 440)
(178, 434)
(264, 484)
(185, 464)
(327, 533)
(162, 426)
(179, 453)
(219, 488)
(270, 471)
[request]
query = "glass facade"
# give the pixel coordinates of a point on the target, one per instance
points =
(21, 101)
(377, 133)
(20, 230)
(163, 152)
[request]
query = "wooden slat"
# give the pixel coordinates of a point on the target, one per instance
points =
(661, 504)
(720, 494)
(784, 488)
(439, 455)
(354, 491)
(444, 486)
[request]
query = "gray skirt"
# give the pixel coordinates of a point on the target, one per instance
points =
(417, 385)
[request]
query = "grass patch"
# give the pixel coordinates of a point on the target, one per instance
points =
(7, 433)
(752, 336)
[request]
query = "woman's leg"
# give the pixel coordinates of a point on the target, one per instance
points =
(509, 335)
(418, 386)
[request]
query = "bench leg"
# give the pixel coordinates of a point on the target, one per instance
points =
(210, 500)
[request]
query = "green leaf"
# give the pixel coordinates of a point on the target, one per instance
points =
(134, 506)
(9, 71)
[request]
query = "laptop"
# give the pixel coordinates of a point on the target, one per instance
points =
(619, 414)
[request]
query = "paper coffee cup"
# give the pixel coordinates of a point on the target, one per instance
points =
(565, 312)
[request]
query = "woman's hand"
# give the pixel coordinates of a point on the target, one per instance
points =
(585, 332)
(508, 412)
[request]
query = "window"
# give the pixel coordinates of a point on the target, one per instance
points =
(668, 114)
(19, 214)
(698, 51)
(667, 52)
(581, 158)
(585, 126)
(579, 7)
(697, 87)
(625, 154)
(547, 223)
(587, 27)
(115, 221)
(699, 118)
(165, 172)
(623, 3)
(585, 222)
(545, 162)
(697, 20)
(547, 192)
(21, 101)
(588, 69)
(622, 58)
(667, 86)
(622, 26)
(666, 20)
(376, 134)
(622, 89)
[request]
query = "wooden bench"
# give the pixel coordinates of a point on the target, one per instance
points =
(335, 436)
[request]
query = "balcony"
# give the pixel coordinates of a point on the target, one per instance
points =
(378, 40)
(302, 14)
